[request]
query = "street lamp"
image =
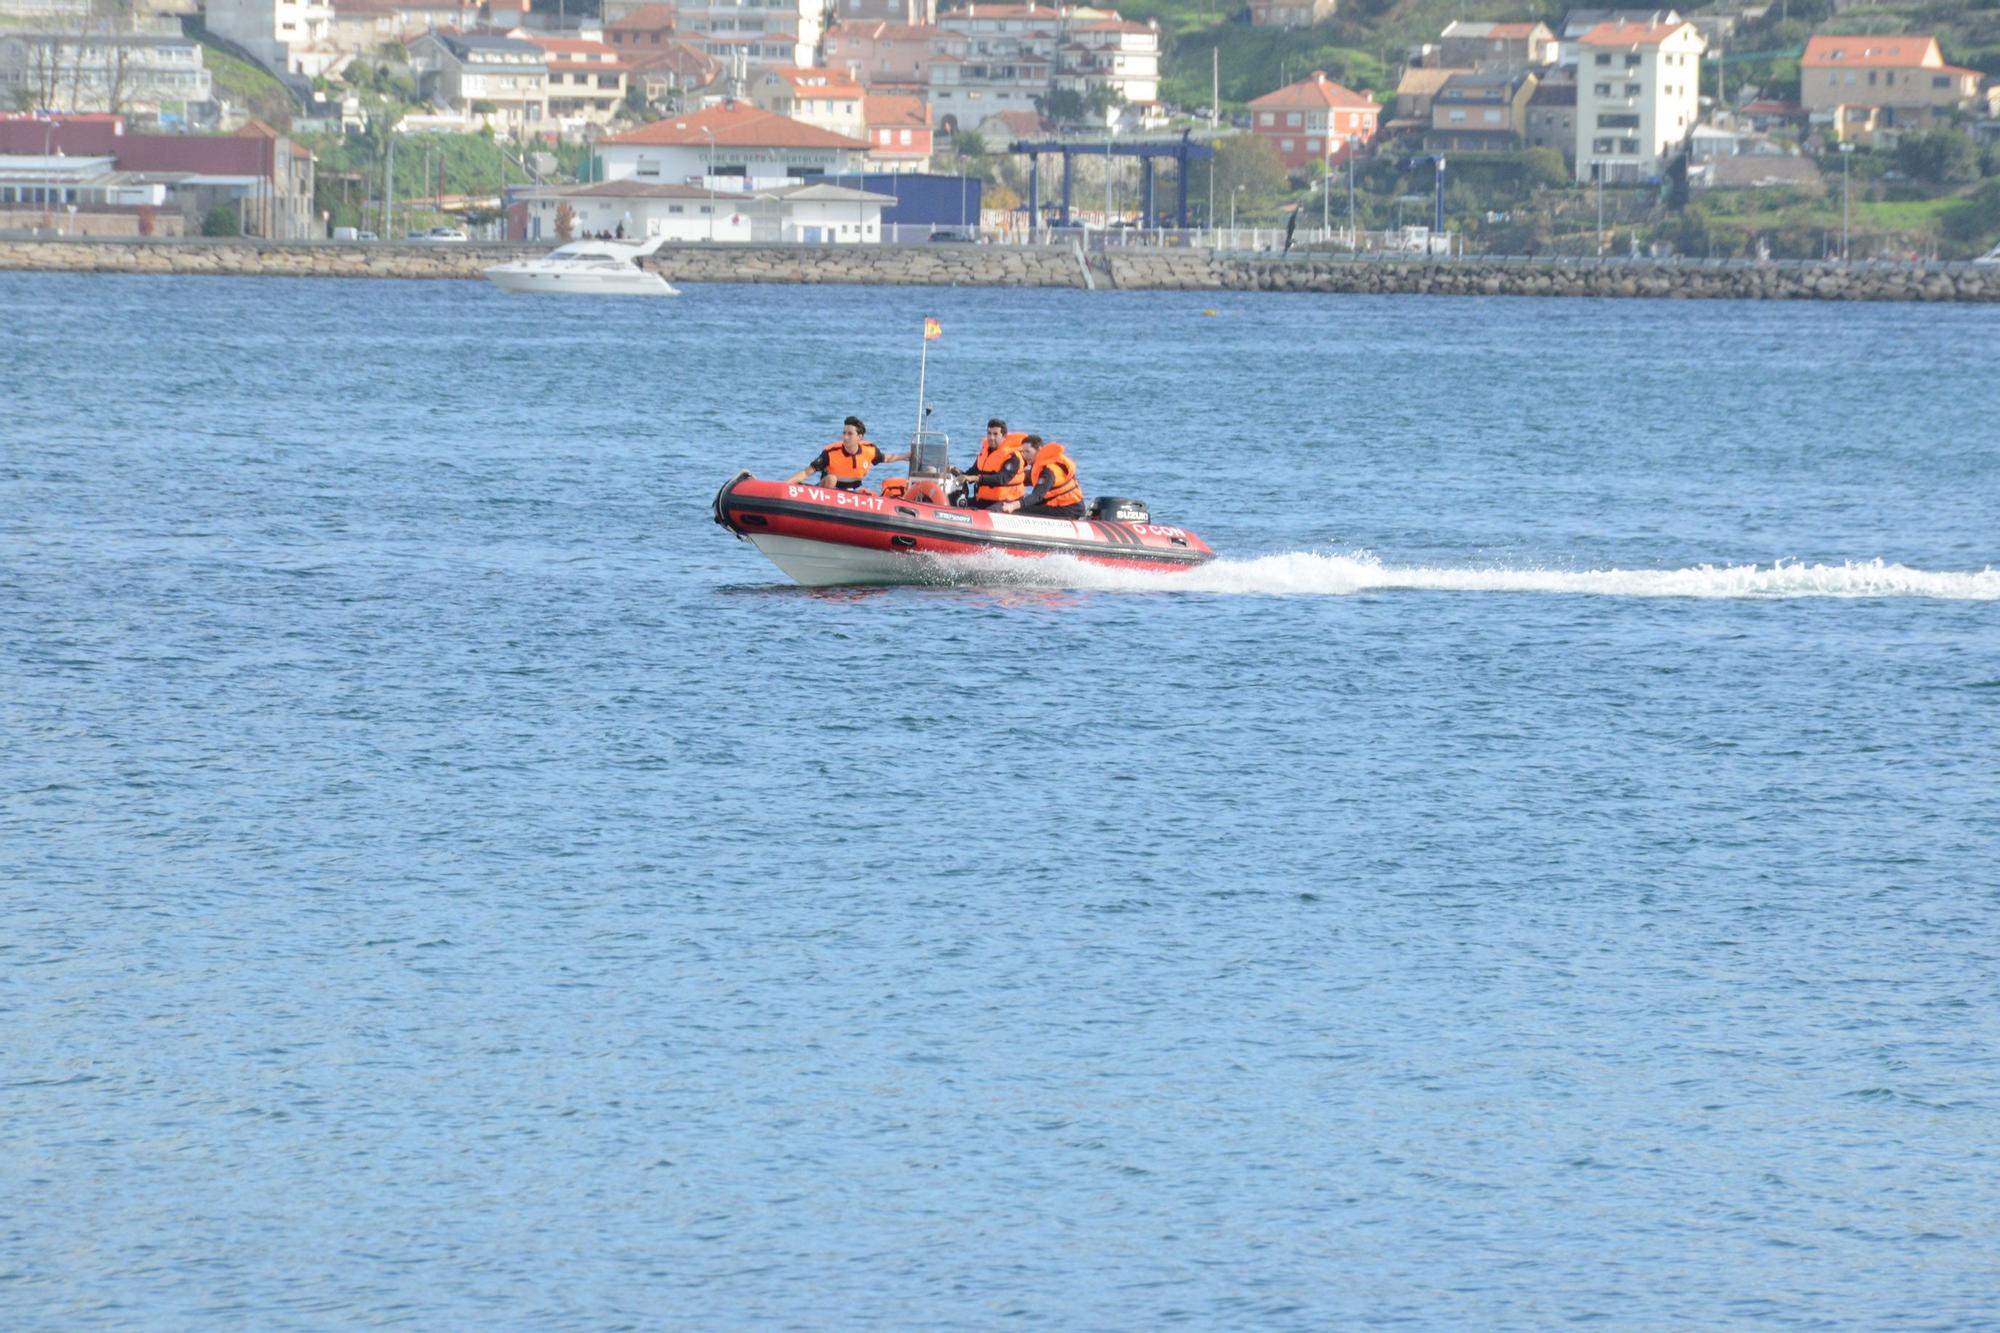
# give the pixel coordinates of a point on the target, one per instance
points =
(1845, 149)
(711, 182)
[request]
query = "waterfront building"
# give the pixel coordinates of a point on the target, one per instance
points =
(1315, 120)
(264, 175)
(803, 213)
(1638, 89)
(733, 146)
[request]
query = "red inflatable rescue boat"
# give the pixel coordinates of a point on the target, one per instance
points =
(823, 537)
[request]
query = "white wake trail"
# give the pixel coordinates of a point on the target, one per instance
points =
(1302, 573)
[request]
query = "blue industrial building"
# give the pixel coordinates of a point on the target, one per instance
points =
(922, 199)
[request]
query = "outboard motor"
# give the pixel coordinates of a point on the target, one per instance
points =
(1118, 509)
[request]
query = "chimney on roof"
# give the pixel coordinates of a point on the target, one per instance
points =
(1319, 76)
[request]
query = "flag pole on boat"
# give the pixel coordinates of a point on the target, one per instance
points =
(932, 330)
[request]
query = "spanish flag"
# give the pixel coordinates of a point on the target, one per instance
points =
(932, 329)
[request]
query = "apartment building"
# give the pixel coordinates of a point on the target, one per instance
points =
(883, 56)
(1637, 98)
(1112, 53)
(53, 71)
(586, 81)
(499, 81)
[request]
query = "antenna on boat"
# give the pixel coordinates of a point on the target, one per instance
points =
(930, 451)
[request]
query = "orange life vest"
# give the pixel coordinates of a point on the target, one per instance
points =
(993, 457)
(1064, 490)
(848, 469)
(895, 488)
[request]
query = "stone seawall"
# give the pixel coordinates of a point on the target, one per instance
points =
(947, 265)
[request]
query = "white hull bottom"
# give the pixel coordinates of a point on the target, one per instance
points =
(636, 283)
(826, 565)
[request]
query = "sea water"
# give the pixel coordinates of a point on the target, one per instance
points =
(1548, 868)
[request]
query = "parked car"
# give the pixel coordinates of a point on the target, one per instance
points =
(951, 236)
(439, 236)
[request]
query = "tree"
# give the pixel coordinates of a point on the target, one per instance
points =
(1943, 156)
(222, 220)
(1247, 162)
(565, 222)
(1677, 182)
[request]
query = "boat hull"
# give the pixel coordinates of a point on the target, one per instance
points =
(582, 283)
(820, 537)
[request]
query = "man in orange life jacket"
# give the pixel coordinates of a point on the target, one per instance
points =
(999, 475)
(846, 462)
(1055, 491)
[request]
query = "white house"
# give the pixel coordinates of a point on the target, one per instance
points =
(1637, 98)
(822, 97)
(500, 80)
(737, 145)
(802, 214)
(289, 36)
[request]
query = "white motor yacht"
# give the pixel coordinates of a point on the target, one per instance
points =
(604, 268)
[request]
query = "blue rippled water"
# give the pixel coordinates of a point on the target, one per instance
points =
(1545, 872)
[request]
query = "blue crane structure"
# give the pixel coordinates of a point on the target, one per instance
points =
(1182, 150)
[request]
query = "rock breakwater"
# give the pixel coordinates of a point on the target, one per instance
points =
(1052, 266)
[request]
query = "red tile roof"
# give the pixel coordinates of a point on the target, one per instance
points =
(1894, 52)
(1630, 34)
(735, 125)
(885, 111)
(573, 46)
(1315, 93)
(648, 18)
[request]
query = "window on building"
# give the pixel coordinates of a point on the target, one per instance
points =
(1601, 145)
(1492, 117)
(1633, 90)
(1455, 116)
(1266, 119)
(1286, 145)
(1632, 61)
(1292, 121)
(1628, 145)
(1941, 81)
(1312, 145)
(1602, 89)
(676, 208)
(1604, 60)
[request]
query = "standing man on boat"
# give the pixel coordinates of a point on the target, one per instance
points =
(847, 460)
(1054, 491)
(999, 474)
